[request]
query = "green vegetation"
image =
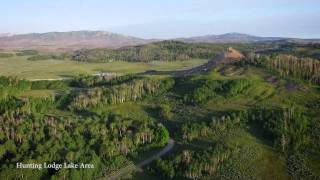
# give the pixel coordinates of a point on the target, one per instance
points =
(254, 119)
(6, 55)
(210, 89)
(310, 50)
(13, 86)
(236, 123)
(161, 51)
(32, 132)
(20, 67)
(131, 91)
(287, 65)
(27, 53)
(47, 57)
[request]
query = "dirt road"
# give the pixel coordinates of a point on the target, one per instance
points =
(131, 167)
(230, 56)
(159, 154)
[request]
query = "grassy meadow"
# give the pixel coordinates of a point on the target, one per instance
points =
(20, 67)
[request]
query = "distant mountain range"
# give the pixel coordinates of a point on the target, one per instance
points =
(229, 38)
(4, 34)
(65, 41)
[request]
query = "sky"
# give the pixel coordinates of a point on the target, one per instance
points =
(164, 18)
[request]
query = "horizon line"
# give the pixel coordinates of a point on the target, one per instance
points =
(9, 34)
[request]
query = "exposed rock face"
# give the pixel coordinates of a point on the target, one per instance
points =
(232, 55)
(229, 56)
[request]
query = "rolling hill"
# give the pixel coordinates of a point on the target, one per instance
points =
(64, 41)
(229, 38)
(244, 38)
(75, 40)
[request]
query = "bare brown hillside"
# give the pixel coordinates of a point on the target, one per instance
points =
(66, 41)
(232, 55)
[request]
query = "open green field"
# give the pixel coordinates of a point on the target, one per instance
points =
(51, 69)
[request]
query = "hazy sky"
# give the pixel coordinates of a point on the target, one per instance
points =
(164, 18)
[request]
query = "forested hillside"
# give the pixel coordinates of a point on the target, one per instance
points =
(287, 65)
(163, 51)
(32, 130)
(160, 90)
(159, 51)
(301, 50)
(241, 126)
(254, 118)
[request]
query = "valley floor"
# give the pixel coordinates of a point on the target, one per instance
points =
(20, 67)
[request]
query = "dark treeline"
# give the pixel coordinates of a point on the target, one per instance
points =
(194, 165)
(130, 91)
(9, 104)
(160, 51)
(201, 91)
(288, 128)
(39, 57)
(12, 86)
(49, 85)
(27, 53)
(84, 81)
(286, 65)
(301, 50)
(44, 57)
(6, 55)
(216, 126)
(292, 132)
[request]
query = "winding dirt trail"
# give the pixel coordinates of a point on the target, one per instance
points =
(227, 57)
(131, 167)
(49, 79)
(164, 151)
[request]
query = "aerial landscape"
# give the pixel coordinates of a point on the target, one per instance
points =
(194, 93)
